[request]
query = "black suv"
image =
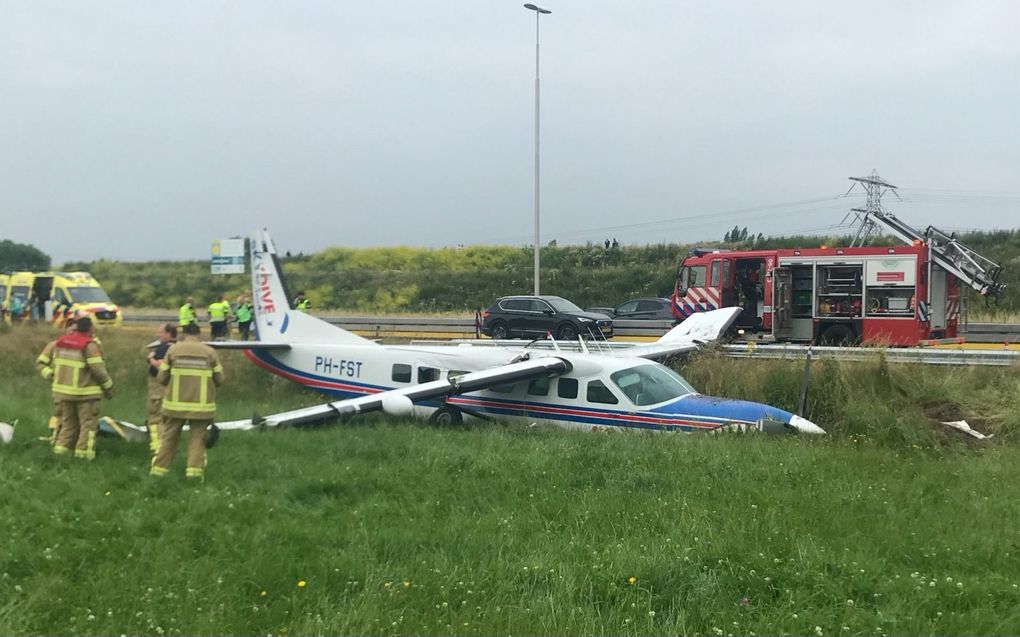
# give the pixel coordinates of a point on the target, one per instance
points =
(534, 316)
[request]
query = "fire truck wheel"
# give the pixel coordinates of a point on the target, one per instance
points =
(839, 335)
(447, 417)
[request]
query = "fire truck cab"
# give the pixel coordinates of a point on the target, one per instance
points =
(894, 295)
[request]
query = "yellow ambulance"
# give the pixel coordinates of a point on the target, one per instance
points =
(54, 296)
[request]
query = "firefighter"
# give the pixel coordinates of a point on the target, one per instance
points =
(166, 334)
(80, 380)
(219, 312)
(44, 363)
(186, 315)
(302, 303)
(191, 372)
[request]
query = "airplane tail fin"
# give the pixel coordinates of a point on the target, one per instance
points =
(275, 320)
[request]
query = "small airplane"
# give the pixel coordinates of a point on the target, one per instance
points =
(586, 389)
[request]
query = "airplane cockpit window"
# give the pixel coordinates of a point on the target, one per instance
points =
(651, 384)
(599, 393)
(401, 373)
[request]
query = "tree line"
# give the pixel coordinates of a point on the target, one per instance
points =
(409, 279)
(22, 256)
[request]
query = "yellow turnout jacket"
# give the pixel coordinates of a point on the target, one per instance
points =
(191, 372)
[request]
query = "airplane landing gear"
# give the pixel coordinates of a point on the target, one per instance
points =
(447, 416)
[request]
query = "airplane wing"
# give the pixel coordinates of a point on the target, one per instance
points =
(246, 345)
(694, 332)
(400, 401)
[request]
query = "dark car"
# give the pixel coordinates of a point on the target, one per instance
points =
(534, 316)
(649, 309)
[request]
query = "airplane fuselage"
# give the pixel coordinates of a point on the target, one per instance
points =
(591, 395)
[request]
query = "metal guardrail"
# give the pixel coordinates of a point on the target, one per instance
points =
(444, 331)
(382, 326)
(992, 332)
(917, 355)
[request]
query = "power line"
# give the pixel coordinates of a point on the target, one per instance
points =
(713, 216)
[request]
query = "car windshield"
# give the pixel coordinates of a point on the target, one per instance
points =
(562, 305)
(88, 295)
(650, 384)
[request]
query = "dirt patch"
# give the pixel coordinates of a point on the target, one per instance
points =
(940, 411)
(943, 410)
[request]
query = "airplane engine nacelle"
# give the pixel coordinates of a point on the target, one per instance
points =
(397, 405)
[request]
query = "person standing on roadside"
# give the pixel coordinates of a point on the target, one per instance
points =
(166, 334)
(219, 312)
(187, 315)
(244, 316)
(80, 380)
(190, 373)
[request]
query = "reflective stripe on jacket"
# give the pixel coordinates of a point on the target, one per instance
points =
(79, 372)
(191, 371)
(44, 362)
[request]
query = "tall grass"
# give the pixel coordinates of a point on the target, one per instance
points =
(398, 528)
(893, 405)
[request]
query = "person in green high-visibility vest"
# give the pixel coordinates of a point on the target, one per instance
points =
(301, 303)
(244, 316)
(219, 312)
(187, 315)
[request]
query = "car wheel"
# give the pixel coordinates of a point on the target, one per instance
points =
(447, 417)
(499, 331)
(839, 335)
(567, 332)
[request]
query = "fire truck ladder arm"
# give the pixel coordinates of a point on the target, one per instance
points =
(968, 265)
(965, 263)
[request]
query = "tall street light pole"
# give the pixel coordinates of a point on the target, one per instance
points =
(538, 14)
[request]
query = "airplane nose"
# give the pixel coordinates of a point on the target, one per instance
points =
(805, 426)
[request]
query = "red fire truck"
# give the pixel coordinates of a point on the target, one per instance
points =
(890, 295)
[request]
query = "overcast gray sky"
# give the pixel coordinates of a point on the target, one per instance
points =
(141, 130)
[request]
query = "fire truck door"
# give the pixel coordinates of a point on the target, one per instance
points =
(937, 298)
(782, 300)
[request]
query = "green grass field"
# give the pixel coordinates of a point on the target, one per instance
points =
(887, 526)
